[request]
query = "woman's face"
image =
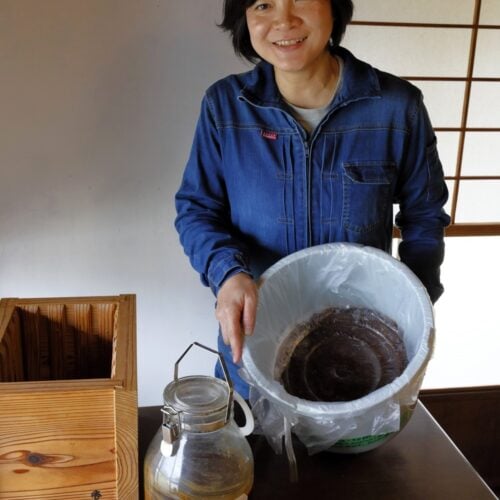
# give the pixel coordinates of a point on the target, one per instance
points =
(292, 35)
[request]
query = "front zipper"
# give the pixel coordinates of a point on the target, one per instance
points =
(307, 153)
(308, 145)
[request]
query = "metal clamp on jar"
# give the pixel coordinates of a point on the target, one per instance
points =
(199, 451)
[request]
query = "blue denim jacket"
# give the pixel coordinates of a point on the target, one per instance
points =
(257, 188)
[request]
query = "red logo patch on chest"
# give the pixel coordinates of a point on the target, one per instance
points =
(269, 134)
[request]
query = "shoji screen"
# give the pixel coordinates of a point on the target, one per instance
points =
(451, 50)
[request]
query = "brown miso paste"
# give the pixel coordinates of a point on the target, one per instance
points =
(341, 354)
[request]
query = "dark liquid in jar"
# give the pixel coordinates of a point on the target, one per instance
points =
(341, 354)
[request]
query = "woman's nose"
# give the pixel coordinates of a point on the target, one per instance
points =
(285, 17)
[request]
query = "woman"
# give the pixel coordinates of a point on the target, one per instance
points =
(311, 146)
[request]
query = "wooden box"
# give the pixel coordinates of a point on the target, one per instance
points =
(68, 399)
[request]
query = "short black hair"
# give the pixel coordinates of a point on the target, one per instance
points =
(234, 21)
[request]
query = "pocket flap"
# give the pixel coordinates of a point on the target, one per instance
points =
(370, 173)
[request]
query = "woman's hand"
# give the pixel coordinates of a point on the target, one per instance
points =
(236, 310)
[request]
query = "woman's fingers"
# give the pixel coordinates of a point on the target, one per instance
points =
(236, 310)
(249, 313)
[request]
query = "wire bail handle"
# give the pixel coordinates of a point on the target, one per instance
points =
(171, 426)
(224, 369)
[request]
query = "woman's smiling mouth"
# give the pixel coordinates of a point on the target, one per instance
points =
(290, 42)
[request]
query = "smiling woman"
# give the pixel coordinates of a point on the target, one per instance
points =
(291, 36)
(309, 147)
(235, 21)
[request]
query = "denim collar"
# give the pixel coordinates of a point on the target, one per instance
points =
(359, 81)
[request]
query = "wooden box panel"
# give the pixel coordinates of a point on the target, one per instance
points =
(68, 398)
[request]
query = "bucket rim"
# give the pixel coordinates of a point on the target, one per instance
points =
(414, 369)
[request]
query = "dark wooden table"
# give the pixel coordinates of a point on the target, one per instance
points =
(420, 463)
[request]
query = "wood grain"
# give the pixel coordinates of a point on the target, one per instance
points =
(79, 317)
(124, 369)
(11, 351)
(126, 443)
(103, 327)
(36, 343)
(68, 398)
(56, 331)
(57, 441)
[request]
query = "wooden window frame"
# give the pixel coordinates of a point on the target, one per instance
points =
(456, 228)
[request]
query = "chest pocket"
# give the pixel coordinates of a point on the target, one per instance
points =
(367, 194)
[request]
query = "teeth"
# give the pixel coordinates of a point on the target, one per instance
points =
(286, 43)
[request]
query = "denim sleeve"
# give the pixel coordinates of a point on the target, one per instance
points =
(421, 194)
(203, 211)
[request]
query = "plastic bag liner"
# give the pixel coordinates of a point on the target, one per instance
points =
(306, 282)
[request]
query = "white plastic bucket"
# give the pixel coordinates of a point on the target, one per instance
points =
(341, 275)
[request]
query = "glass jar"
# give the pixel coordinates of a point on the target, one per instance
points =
(199, 451)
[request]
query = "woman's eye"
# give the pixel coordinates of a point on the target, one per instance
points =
(261, 6)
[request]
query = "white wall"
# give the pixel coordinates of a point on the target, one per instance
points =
(98, 102)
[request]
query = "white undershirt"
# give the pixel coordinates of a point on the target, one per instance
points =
(309, 118)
